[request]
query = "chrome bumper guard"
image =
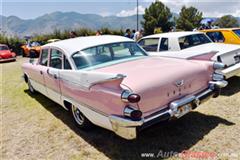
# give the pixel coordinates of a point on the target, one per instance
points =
(127, 128)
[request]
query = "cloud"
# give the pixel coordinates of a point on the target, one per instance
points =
(105, 14)
(125, 13)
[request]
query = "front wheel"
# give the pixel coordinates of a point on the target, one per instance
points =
(80, 120)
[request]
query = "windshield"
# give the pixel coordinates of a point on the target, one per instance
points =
(237, 32)
(193, 40)
(3, 48)
(107, 53)
(35, 44)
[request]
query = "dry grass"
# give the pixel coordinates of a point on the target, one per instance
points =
(34, 127)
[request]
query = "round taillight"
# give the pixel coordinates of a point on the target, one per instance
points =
(136, 114)
(133, 98)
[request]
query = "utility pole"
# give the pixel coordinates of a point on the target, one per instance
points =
(137, 16)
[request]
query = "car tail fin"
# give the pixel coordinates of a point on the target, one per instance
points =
(87, 79)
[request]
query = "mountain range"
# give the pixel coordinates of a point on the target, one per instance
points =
(15, 26)
(47, 23)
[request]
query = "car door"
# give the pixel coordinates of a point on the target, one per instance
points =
(52, 75)
(37, 72)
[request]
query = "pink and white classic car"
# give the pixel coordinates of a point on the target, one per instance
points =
(111, 82)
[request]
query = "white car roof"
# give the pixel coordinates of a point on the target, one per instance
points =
(73, 45)
(173, 34)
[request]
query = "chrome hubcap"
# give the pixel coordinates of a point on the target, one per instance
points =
(78, 116)
(30, 86)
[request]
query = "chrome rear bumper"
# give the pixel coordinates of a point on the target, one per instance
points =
(231, 71)
(127, 128)
(8, 59)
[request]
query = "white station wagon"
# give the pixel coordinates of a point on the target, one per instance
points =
(193, 45)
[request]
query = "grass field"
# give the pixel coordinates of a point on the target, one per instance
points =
(34, 127)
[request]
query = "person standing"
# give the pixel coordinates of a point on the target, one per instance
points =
(138, 35)
(128, 33)
(98, 33)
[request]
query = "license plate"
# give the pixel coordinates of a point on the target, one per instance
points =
(183, 110)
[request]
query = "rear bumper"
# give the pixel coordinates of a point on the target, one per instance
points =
(127, 128)
(8, 59)
(231, 71)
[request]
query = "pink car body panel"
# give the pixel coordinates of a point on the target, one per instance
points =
(162, 84)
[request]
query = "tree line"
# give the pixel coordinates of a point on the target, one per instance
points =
(159, 18)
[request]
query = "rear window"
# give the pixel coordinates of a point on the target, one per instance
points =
(216, 36)
(193, 40)
(164, 44)
(237, 32)
(149, 44)
(108, 53)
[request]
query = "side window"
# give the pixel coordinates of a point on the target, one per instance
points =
(216, 36)
(66, 64)
(149, 44)
(164, 44)
(44, 57)
(56, 59)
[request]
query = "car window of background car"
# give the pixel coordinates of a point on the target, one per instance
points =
(149, 44)
(105, 53)
(4, 48)
(34, 44)
(237, 32)
(164, 44)
(216, 36)
(56, 59)
(193, 40)
(44, 57)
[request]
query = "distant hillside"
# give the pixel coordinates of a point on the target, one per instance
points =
(47, 23)
(13, 25)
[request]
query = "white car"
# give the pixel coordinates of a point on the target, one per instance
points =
(193, 45)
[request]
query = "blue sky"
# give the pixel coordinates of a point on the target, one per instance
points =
(27, 9)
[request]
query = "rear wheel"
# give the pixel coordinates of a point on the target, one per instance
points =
(80, 120)
(30, 87)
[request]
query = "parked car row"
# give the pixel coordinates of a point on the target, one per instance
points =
(193, 45)
(112, 82)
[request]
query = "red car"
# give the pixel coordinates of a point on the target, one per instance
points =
(6, 54)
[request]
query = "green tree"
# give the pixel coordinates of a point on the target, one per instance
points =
(227, 21)
(189, 18)
(156, 16)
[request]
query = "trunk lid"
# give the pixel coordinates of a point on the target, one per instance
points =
(161, 80)
(228, 54)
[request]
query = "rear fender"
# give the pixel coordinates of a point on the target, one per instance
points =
(204, 56)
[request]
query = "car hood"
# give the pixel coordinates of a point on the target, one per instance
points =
(155, 78)
(5, 54)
